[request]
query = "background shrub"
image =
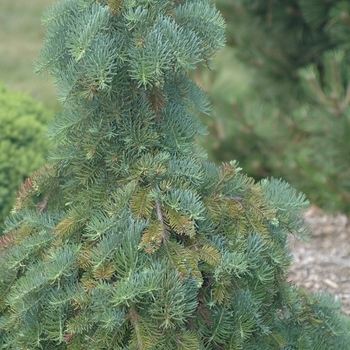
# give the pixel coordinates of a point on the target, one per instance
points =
(23, 147)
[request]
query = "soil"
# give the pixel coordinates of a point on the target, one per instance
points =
(323, 263)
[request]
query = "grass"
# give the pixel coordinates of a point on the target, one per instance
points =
(21, 37)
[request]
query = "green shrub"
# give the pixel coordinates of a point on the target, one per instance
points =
(139, 242)
(23, 147)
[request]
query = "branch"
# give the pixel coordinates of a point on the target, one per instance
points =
(165, 235)
(133, 316)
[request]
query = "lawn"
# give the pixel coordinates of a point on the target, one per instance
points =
(21, 37)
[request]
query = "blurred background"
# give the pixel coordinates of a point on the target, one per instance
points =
(21, 37)
(280, 92)
(27, 102)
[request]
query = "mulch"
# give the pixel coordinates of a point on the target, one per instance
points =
(323, 263)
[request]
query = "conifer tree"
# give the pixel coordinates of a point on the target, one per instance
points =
(140, 243)
(279, 38)
(295, 122)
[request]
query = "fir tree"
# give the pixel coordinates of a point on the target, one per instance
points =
(139, 242)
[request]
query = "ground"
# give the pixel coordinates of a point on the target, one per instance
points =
(323, 263)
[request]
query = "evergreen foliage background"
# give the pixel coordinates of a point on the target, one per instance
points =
(139, 242)
(295, 121)
(23, 147)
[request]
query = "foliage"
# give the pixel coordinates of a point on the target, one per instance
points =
(23, 147)
(295, 120)
(139, 242)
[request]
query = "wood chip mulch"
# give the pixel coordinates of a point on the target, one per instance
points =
(323, 263)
